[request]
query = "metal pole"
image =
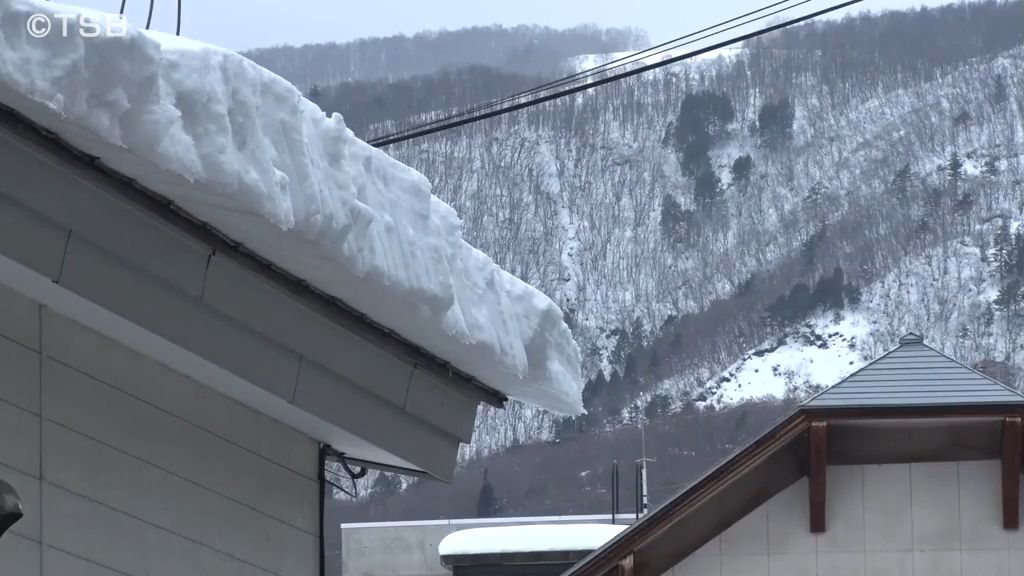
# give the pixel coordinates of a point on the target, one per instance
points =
(642, 504)
(643, 485)
(615, 489)
(636, 484)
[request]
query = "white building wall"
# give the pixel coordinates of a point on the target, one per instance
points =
(125, 467)
(931, 519)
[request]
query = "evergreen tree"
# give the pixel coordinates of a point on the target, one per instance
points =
(901, 182)
(775, 123)
(696, 158)
(1002, 250)
(828, 291)
(955, 170)
(658, 405)
(742, 167)
(1000, 93)
(707, 188)
(704, 111)
(487, 505)
(853, 294)
(315, 93)
(1010, 297)
(672, 217)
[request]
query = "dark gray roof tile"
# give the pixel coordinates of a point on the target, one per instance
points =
(915, 374)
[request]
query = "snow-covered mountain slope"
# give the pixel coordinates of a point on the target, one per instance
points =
(818, 354)
(240, 148)
(572, 198)
(949, 294)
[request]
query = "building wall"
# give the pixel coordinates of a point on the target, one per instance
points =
(125, 467)
(934, 519)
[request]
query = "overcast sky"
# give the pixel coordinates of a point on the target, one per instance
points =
(242, 24)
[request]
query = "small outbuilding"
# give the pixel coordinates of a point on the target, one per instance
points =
(529, 549)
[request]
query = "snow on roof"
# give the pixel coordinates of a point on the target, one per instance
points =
(239, 148)
(528, 538)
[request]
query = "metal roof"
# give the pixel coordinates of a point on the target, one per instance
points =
(914, 374)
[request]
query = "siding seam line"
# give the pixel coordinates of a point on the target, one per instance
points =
(178, 476)
(18, 344)
(182, 419)
(42, 516)
(19, 408)
(163, 529)
(93, 562)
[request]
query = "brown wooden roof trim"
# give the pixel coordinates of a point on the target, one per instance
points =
(910, 412)
(606, 559)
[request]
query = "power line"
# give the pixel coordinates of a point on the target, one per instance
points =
(385, 141)
(608, 66)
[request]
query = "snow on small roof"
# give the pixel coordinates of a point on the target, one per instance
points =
(528, 538)
(242, 150)
(914, 374)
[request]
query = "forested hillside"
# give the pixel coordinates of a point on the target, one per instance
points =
(520, 49)
(757, 224)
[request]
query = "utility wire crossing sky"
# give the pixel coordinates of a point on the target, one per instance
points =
(244, 24)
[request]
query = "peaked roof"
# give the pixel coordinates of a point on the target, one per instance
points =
(915, 374)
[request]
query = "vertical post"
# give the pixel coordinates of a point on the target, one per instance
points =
(615, 490)
(636, 483)
(643, 488)
(1011, 472)
(816, 485)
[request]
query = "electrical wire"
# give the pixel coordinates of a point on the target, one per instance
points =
(608, 66)
(388, 140)
(121, 11)
(177, 27)
(149, 19)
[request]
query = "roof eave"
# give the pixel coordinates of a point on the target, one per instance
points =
(331, 307)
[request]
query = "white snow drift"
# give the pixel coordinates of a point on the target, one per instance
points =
(528, 538)
(240, 148)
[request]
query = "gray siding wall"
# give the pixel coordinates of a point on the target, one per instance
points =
(927, 519)
(126, 467)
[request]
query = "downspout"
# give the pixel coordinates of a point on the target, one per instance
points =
(321, 477)
(327, 452)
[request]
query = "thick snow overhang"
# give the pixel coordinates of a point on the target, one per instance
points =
(961, 422)
(115, 257)
(194, 206)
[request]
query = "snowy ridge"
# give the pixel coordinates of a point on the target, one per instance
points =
(588, 61)
(240, 148)
(822, 352)
(528, 538)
